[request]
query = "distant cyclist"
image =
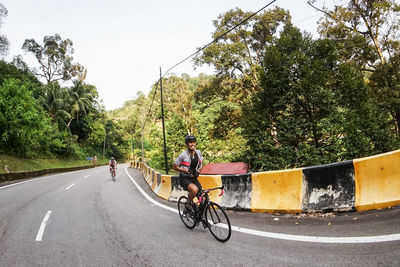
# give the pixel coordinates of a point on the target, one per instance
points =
(189, 163)
(112, 164)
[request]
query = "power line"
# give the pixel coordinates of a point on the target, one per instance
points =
(151, 105)
(202, 48)
(219, 37)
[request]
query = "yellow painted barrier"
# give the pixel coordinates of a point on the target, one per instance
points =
(277, 191)
(154, 179)
(165, 187)
(377, 181)
(211, 181)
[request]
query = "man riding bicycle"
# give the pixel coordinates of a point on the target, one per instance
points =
(189, 163)
(112, 164)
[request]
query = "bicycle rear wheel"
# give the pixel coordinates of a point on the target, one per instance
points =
(187, 216)
(218, 222)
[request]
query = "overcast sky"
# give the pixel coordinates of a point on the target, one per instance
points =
(123, 43)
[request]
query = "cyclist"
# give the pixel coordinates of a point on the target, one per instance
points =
(189, 163)
(112, 164)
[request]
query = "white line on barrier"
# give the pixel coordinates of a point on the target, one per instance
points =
(39, 235)
(301, 238)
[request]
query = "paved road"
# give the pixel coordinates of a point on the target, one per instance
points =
(92, 221)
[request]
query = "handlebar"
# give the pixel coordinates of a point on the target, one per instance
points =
(212, 189)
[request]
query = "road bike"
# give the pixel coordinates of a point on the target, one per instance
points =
(113, 173)
(208, 213)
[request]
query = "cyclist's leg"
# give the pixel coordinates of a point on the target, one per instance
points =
(193, 190)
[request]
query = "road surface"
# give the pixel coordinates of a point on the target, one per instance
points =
(83, 218)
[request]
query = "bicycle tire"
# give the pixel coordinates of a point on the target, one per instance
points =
(218, 222)
(113, 176)
(188, 219)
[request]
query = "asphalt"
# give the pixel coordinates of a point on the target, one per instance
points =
(97, 222)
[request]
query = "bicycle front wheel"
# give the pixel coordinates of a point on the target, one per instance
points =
(187, 215)
(218, 222)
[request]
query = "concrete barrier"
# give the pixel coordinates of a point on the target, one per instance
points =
(360, 184)
(211, 181)
(238, 191)
(329, 187)
(165, 187)
(377, 180)
(176, 190)
(277, 191)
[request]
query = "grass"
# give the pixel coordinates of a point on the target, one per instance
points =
(15, 164)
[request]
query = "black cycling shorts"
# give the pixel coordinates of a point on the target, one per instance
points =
(184, 181)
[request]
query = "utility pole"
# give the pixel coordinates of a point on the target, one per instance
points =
(141, 116)
(163, 125)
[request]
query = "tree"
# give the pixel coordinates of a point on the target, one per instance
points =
(4, 44)
(82, 97)
(55, 58)
(239, 53)
(55, 101)
(385, 85)
(312, 110)
(25, 128)
(366, 30)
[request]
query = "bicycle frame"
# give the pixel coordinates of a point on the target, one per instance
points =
(204, 202)
(209, 213)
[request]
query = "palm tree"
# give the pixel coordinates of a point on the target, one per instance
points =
(81, 100)
(55, 101)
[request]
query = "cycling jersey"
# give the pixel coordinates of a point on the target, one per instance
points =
(185, 159)
(112, 163)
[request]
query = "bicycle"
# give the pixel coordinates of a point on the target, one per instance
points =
(208, 213)
(113, 174)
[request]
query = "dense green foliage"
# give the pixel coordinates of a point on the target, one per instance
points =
(49, 120)
(278, 99)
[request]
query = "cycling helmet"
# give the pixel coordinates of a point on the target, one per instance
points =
(112, 158)
(190, 138)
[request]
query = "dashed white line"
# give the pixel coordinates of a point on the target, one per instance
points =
(69, 187)
(39, 235)
(86, 176)
(301, 238)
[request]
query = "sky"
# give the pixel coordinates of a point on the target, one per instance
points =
(123, 43)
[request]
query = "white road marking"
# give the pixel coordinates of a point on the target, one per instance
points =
(301, 238)
(148, 197)
(86, 176)
(43, 226)
(31, 180)
(69, 187)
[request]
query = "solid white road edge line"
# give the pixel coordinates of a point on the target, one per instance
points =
(43, 226)
(30, 180)
(302, 238)
(37, 179)
(69, 187)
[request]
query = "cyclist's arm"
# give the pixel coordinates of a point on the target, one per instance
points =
(176, 167)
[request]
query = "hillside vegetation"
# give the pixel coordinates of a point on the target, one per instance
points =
(279, 98)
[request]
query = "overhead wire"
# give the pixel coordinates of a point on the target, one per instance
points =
(204, 47)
